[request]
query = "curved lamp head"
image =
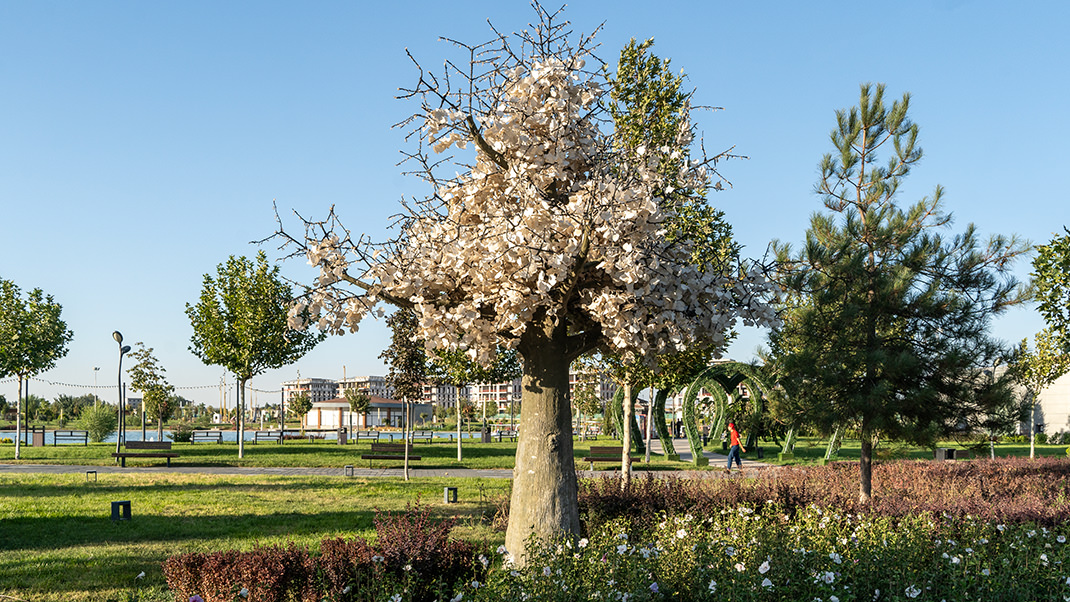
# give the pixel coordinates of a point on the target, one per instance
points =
(118, 336)
(124, 350)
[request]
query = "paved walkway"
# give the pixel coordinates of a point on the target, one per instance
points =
(682, 448)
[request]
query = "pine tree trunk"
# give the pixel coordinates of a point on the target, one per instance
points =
(865, 464)
(544, 499)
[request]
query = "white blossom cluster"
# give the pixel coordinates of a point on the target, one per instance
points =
(557, 223)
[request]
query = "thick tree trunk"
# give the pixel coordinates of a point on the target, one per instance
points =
(544, 499)
(865, 464)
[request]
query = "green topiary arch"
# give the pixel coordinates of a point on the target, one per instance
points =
(721, 380)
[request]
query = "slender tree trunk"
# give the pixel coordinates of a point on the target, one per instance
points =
(459, 402)
(865, 464)
(544, 498)
(1033, 427)
(241, 418)
(405, 433)
(626, 436)
(649, 422)
(18, 421)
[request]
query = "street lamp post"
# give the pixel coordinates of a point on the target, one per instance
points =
(95, 396)
(123, 350)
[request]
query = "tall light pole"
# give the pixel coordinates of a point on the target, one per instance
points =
(123, 350)
(95, 397)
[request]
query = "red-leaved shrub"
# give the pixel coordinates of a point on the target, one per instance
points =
(1010, 490)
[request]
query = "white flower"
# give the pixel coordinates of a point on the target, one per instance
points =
(828, 577)
(395, 598)
(502, 550)
(833, 599)
(740, 567)
(407, 567)
(654, 587)
(546, 571)
(1001, 528)
(681, 534)
(475, 585)
(766, 583)
(955, 560)
(583, 542)
(836, 558)
(1061, 539)
(244, 593)
(1044, 559)
(622, 548)
(713, 586)
(140, 575)
(483, 560)
(457, 598)
(986, 572)
(763, 568)
(912, 592)
(730, 551)
(623, 536)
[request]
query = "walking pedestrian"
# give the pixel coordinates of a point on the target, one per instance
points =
(736, 446)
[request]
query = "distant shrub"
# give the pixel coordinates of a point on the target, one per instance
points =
(181, 432)
(1042, 438)
(100, 421)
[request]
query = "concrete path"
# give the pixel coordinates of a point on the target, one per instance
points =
(682, 448)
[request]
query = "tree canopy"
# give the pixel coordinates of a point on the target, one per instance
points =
(33, 337)
(241, 323)
(541, 233)
(147, 376)
(1051, 279)
(886, 320)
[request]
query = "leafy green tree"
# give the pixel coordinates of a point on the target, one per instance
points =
(240, 323)
(407, 361)
(1037, 370)
(359, 402)
(1051, 279)
(70, 407)
(889, 327)
(147, 376)
(457, 368)
(33, 338)
(300, 405)
(100, 421)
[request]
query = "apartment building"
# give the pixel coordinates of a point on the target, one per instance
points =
(317, 389)
(373, 385)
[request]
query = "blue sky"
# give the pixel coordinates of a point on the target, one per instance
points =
(141, 143)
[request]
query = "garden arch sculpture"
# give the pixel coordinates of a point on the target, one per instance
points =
(721, 381)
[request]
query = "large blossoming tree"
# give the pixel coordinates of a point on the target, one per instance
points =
(541, 233)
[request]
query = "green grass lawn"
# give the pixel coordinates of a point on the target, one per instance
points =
(58, 542)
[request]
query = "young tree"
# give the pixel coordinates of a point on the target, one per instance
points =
(147, 376)
(300, 406)
(1037, 370)
(458, 369)
(549, 241)
(33, 338)
(888, 330)
(1051, 278)
(240, 323)
(359, 402)
(407, 361)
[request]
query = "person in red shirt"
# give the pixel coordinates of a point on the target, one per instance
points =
(733, 451)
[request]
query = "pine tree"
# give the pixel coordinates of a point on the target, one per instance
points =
(887, 324)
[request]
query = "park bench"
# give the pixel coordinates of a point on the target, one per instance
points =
(388, 451)
(153, 449)
(603, 454)
(82, 436)
(367, 436)
(275, 436)
(427, 436)
(216, 436)
(509, 434)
